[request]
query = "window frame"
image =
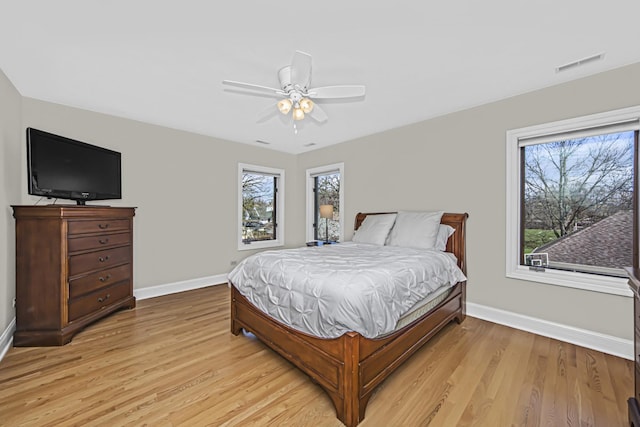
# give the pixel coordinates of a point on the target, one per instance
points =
(590, 124)
(310, 214)
(279, 207)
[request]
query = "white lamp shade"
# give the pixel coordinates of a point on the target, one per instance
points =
(298, 114)
(306, 104)
(284, 105)
(326, 211)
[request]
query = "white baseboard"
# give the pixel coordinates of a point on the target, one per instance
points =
(172, 288)
(582, 337)
(6, 339)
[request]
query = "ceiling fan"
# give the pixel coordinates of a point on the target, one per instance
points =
(295, 92)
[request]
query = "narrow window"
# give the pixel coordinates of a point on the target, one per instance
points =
(325, 187)
(327, 192)
(260, 207)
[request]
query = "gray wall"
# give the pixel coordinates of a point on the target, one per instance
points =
(457, 163)
(10, 143)
(183, 185)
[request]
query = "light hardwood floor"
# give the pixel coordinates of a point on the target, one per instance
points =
(173, 362)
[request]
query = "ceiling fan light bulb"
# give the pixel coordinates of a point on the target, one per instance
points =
(306, 104)
(284, 105)
(298, 114)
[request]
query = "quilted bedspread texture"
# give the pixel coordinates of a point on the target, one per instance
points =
(329, 290)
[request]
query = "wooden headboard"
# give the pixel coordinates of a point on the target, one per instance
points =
(456, 243)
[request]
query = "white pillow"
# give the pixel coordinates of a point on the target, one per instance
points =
(444, 232)
(374, 229)
(415, 229)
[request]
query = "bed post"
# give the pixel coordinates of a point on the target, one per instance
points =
(462, 314)
(235, 327)
(351, 381)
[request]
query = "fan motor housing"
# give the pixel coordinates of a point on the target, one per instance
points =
(285, 78)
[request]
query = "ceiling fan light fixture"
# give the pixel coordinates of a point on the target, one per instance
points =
(306, 104)
(297, 92)
(298, 114)
(284, 105)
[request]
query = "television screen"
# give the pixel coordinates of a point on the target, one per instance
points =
(64, 168)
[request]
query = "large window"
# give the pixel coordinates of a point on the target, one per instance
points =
(261, 206)
(325, 189)
(571, 195)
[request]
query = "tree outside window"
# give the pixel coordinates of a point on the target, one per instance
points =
(260, 207)
(578, 203)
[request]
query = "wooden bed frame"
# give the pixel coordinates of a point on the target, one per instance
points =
(350, 367)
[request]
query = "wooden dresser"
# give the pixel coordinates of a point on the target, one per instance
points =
(634, 408)
(74, 265)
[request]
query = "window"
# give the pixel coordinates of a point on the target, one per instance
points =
(261, 207)
(325, 187)
(571, 201)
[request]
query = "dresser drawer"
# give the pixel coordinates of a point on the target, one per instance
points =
(100, 279)
(99, 260)
(97, 300)
(97, 242)
(97, 226)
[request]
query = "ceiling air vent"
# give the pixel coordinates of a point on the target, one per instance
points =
(580, 62)
(259, 141)
(309, 144)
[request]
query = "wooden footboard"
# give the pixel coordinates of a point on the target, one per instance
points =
(350, 367)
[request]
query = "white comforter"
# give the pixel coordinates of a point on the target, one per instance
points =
(328, 290)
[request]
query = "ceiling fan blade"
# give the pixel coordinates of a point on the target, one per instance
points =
(346, 91)
(253, 87)
(318, 114)
(301, 69)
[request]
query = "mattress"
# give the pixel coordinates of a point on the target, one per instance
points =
(423, 306)
(327, 291)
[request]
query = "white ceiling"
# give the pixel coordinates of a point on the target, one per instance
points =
(163, 62)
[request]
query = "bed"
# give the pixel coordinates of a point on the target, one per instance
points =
(351, 366)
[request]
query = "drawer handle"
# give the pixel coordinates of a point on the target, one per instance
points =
(103, 241)
(104, 279)
(103, 226)
(104, 299)
(103, 258)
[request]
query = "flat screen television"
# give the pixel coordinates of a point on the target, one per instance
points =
(64, 168)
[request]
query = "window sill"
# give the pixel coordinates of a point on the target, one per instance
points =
(259, 245)
(587, 282)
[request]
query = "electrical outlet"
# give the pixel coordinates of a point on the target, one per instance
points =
(14, 303)
(233, 263)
